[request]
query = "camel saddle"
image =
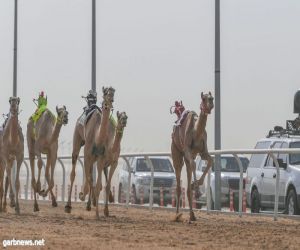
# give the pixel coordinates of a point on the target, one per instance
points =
(87, 114)
(182, 118)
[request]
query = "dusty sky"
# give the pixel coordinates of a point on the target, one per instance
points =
(152, 53)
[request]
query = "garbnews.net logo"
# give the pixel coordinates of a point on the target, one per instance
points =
(14, 242)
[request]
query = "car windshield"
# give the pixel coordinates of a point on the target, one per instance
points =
(295, 158)
(229, 164)
(160, 165)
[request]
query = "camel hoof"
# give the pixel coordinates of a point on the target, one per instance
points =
(106, 212)
(17, 209)
(12, 203)
(192, 216)
(36, 208)
(68, 208)
(111, 198)
(178, 218)
(81, 197)
(88, 207)
(54, 203)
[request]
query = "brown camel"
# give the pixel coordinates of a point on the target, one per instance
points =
(78, 142)
(2, 168)
(13, 149)
(188, 140)
(97, 140)
(42, 138)
(113, 152)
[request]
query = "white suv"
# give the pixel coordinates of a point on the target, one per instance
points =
(261, 176)
(230, 179)
(164, 177)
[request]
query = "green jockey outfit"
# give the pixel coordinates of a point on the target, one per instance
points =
(42, 106)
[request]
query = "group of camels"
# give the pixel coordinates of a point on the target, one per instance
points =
(101, 137)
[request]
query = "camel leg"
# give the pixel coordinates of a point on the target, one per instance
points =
(91, 194)
(108, 186)
(98, 187)
(47, 176)
(110, 197)
(178, 163)
(189, 168)
(33, 181)
(40, 165)
(76, 148)
(5, 191)
(207, 157)
(1, 184)
(51, 184)
(88, 182)
(17, 185)
(11, 191)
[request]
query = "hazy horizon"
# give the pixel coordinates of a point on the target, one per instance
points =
(153, 53)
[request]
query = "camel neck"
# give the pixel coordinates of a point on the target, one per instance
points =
(12, 128)
(201, 124)
(56, 131)
(102, 131)
(117, 139)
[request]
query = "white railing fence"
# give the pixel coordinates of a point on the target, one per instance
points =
(235, 152)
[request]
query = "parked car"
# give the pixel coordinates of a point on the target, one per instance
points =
(261, 176)
(164, 176)
(230, 177)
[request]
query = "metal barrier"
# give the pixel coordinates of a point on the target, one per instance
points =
(234, 152)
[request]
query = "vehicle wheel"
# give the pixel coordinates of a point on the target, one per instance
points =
(134, 195)
(120, 194)
(255, 203)
(291, 207)
(212, 204)
(198, 205)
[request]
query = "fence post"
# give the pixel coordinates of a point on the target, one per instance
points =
(161, 192)
(141, 195)
(113, 193)
(231, 200)
(173, 197)
(194, 200)
(75, 195)
(183, 197)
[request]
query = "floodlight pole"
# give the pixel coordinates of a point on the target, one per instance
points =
(217, 107)
(94, 45)
(94, 64)
(15, 49)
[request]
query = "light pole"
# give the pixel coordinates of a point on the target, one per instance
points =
(94, 45)
(94, 63)
(217, 107)
(15, 49)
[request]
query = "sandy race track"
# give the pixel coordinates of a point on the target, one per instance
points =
(141, 229)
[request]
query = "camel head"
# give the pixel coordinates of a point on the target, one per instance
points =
(14, 105)
(62, 115)
(108, 97)
(207, 103)
(122, 120)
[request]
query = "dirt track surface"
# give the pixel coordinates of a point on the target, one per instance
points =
(141, 229)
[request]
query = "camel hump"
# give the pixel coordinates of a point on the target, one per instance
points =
(184, 115)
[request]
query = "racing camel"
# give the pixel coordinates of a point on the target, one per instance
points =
(78, 142)
(13, 149)
(2, 169)
(189, 139)
(42, 138)
(113, 153)
(97, 141)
